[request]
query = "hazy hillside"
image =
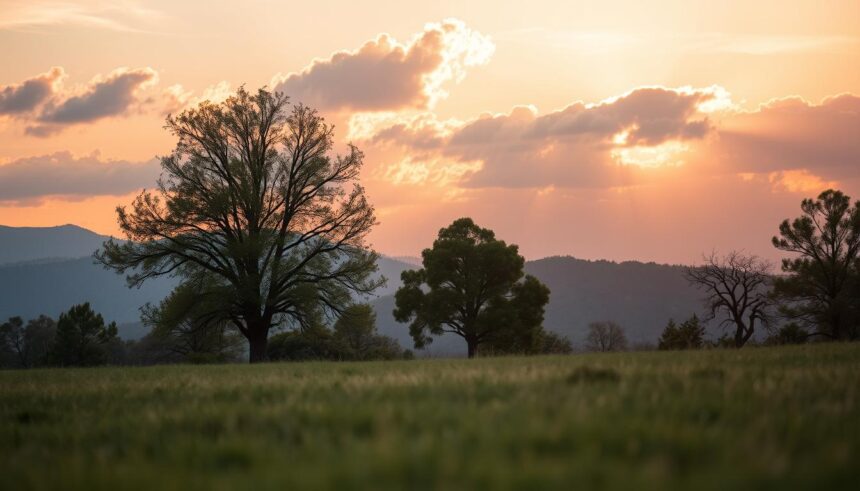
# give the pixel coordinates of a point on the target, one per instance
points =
(641, 297)
(33, 243)
(50, 287)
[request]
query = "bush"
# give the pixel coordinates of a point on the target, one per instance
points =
(689, 335)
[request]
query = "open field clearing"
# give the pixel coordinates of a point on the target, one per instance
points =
(762, 418)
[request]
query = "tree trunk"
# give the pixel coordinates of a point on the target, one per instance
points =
(258, 341)
(472, 347)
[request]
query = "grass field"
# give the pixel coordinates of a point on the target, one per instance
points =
(767, 418)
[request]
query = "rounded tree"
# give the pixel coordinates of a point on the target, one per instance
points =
(473, 285)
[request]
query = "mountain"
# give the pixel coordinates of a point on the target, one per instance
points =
(47, 270)
(19, 244)
(641, 297)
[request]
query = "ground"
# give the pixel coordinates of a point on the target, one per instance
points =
(757, 418)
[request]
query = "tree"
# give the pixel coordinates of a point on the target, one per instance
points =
(605, 336)
(26, 346)
(251, 197)
(472, 285)
(13, 345)
(821, 288)
(355, 329)
(192, 324)
(82, 337)
(555, 344)
(737, 285)
(689, 335)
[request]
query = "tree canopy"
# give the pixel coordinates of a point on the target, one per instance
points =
(252, 198)
(473, 285)
(82, 337)
(821, 287)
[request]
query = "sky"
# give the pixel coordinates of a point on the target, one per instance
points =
(653, 131)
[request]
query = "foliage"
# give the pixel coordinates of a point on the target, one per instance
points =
(312, 343)
(736, 285)
(472, 285)
(251, 197)
(689, 335)
(190, 323)
(765, 419)
(555, 344)
(605, 336)
(354, 337)
(82, 338)
(821, 288)
(790, 333)
(355, 334)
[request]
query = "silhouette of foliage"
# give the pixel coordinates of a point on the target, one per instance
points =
(251, 196)
(689, 335)
(82, 338)
(472, 285)
(821, 288)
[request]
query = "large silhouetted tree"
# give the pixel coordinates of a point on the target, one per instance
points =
(472, 285)
(821, 288)
(737, 286)
(252, 198)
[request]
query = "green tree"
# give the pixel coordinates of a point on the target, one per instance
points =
(555, 344)
(251, 197)
(191, 323)
(26, 346)
(605, 336)
(82, 337)
(13, 348)
(472, 285)
(689, 335)
(357, 338)
(821, 288)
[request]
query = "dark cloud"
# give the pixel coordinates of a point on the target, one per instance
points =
(385, 75)
(109, 97)
(29, 94)
(30, 180)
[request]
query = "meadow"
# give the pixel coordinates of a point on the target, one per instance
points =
(756, 418)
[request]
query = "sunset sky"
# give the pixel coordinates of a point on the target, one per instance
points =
(605, 130)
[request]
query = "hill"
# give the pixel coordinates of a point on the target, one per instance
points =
(18, 244)
(639, 296)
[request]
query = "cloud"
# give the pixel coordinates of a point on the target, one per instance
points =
(123, 16)
(30, 180)
(31, 93)
(387, 75)
(793, 134)
(108, 97)
(582, 145)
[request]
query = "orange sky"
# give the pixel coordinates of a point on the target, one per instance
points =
(619, 130)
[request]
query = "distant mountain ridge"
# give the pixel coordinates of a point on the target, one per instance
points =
(21, 244)
(639, 296)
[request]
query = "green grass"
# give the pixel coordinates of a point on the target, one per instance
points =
(777, 418)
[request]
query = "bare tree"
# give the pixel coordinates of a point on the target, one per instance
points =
(736, 285)
(605, 336)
